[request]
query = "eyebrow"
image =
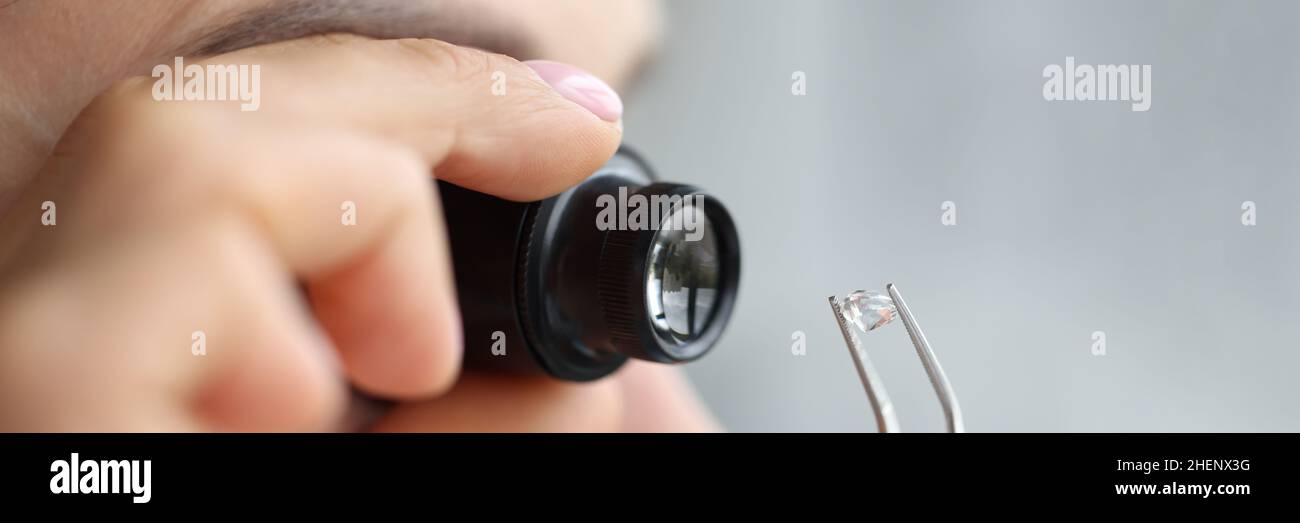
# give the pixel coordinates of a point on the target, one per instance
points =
(454, 22)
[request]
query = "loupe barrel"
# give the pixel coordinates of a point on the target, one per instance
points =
(619, 266)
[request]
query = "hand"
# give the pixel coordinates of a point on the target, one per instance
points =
(191, 225)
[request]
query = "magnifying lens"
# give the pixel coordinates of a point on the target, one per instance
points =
(620, 266)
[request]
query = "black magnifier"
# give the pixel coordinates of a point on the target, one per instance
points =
(620, 266)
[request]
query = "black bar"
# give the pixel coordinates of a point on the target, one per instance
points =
(825, 470)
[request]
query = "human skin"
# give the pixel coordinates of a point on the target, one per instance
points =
(180, 217)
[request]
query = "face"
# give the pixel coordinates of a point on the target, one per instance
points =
(59, 55)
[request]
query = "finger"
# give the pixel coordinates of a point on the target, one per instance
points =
(195, 327)
(492, 403)
(273, 369)
(401, 337)
(363, 230)
(484, 121)
(350, 214)
(658, 398)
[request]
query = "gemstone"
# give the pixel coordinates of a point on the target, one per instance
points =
(868, 310)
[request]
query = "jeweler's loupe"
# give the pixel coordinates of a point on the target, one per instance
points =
(620, 266)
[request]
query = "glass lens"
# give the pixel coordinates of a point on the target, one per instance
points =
(682, 284)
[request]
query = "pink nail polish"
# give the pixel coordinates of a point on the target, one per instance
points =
(580, 87)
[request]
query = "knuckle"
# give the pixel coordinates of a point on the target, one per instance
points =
(125, 134)
(128, 109)
(334, 39)
(407, 174)
(444, 61)
(409, 170)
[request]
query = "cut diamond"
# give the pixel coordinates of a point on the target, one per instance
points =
(868, 310)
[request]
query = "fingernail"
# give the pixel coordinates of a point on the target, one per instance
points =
(580, 87)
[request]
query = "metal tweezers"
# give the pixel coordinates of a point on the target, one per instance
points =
(886, 420)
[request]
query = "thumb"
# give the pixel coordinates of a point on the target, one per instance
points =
(484, 121)
(559, 134)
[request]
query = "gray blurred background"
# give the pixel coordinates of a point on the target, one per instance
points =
(1072, 217)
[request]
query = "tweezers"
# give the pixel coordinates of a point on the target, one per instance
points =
(886, 420)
